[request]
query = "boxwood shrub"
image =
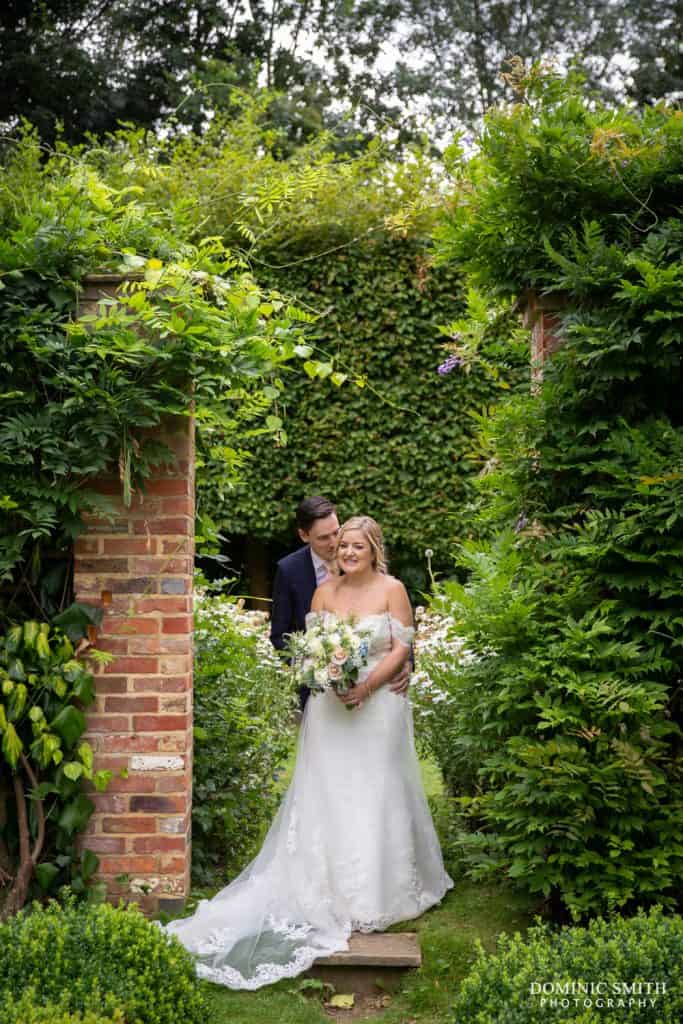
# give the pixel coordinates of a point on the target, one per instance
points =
(580, 975)
(97, 960)
(28, 1009)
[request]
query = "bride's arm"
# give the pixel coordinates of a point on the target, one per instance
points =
(399, 608)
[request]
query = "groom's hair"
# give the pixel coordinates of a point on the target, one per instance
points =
(311, 509)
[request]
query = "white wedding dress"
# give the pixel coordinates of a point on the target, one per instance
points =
(352, 846)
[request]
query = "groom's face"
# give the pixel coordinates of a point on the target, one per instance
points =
(322, 537)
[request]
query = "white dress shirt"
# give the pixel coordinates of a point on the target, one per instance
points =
(321, 570)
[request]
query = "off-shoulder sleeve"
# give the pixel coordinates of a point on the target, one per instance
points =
(404, 634)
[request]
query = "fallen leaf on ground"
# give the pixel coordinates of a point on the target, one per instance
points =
(343, 1001)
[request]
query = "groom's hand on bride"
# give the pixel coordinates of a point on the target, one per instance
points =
(401, 681)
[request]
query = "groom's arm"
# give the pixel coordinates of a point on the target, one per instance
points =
(281, 610)
(401, 681)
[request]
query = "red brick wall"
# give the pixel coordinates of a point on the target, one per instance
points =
(541, 315)
(139, 568)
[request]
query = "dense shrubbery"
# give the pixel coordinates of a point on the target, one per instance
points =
(436, 711)
(565, 726)
(29, 1009)
(80, 394)
(503, 988)
(560, 738)
(562, 172)
(386, 449)
(98, 960)
(349, 239)
(44, 764)
(244, 700)
(439, 730)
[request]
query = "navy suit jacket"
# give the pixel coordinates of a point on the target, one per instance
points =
(293, 589)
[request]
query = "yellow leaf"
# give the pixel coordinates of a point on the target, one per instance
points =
(154, 264)
(343, 1001)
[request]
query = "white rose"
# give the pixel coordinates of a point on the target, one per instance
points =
(316, 648)
(320, 676)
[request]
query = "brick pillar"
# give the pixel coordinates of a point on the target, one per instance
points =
(139, 568)
(541, 315)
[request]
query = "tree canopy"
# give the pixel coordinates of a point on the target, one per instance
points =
(349, 64)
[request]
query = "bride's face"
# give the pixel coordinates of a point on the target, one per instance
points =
(354, 554)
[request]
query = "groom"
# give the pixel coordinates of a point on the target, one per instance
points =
(298, 575)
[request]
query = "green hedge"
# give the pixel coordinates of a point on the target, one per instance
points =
(571, 974)
(564, 729)
(28, 1009)
(98, 959)
(349, 238)
(399, 448)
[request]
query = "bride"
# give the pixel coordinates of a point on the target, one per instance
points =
(352, 846)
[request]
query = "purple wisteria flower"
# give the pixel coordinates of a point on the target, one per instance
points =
(522, 523)
(449, 364)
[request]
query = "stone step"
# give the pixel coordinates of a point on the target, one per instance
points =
(374, 962)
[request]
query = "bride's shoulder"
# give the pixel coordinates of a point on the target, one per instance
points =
(392, 585)
(398, 602)
(323, 593)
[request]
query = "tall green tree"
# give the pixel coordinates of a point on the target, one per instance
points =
(458, 49)
(347, 64)
(91, 65)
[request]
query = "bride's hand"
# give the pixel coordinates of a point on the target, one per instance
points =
(355, 696)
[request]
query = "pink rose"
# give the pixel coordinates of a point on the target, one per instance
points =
(334, 672)
(340, 656)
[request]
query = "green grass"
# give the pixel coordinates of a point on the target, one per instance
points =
(447, 934)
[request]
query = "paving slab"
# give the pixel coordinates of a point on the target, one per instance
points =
(375, 962)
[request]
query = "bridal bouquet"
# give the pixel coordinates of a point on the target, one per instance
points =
(329, 655)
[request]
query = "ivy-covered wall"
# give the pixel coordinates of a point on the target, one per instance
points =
(398, 447)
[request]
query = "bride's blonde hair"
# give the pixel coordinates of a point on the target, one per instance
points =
(372, 533)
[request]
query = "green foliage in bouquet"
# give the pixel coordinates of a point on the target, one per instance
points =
(243, 714)
(615, 955)
(565, 720)
(44, 765)
(101, 962)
